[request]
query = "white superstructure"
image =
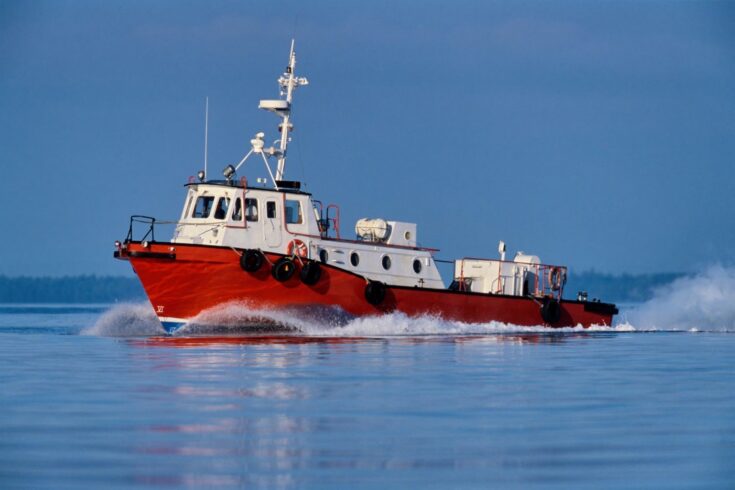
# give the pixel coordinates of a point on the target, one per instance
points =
(285, 222)
(282, 219)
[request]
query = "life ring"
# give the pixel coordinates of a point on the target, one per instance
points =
(550, 311)
(557, 278)
(375, 292)
(297, 247)
(251, 260)
(310, 273)
(283, 269)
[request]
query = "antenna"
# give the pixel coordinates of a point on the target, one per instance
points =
(287, 82)
(206, 134)
(282, 108)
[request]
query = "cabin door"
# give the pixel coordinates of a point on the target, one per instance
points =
(272, 225)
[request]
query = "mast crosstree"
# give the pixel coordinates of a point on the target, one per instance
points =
(282, 108)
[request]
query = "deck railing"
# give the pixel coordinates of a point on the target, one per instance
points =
(148, 221)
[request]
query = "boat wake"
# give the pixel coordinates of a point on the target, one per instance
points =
(701, 303)
(240, 318)
(139, 320)
(126, 320)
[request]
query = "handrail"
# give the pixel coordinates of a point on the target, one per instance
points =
(139, 218)
(335, 220)
(363, 242)
(513, 262)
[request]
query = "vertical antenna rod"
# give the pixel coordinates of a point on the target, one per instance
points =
(288, 82)
(206, 134)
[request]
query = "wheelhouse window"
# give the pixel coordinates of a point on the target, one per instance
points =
(270, 209)
(293, 212)
(251, 209)
(222, 205)
(203, 207)
(237, 210)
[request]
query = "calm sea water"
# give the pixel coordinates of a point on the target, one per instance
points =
(377, 403)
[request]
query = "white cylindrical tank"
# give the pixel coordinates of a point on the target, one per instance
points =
(372, 229)
(522, 258)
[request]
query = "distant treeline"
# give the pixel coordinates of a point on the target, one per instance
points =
(111, 289)
(618, 289)
(70, 289)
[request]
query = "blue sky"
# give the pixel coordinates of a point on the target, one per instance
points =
(594, 134)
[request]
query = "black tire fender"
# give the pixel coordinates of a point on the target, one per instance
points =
(375, 292)
(310, 273)
(550, 311)
(251, 260)
(283, 269)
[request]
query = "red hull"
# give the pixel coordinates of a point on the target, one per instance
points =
(181, 281)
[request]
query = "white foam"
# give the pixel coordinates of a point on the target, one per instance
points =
(126, 320)
(702, 302)
(240, 317)
(399, 324)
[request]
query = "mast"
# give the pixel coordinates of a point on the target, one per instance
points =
(281, 108)
(206, 134)
(288, 82)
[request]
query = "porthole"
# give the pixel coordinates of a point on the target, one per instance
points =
(386, 262)
(354, 259)
(417, 266)
(323, 256)
(407, 235)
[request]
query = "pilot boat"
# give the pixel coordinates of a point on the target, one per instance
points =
(272, 246)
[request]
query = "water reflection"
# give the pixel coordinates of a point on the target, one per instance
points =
(232, 405)
(292, 339)
(205, 341)
(257, 410)
(274, 391)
